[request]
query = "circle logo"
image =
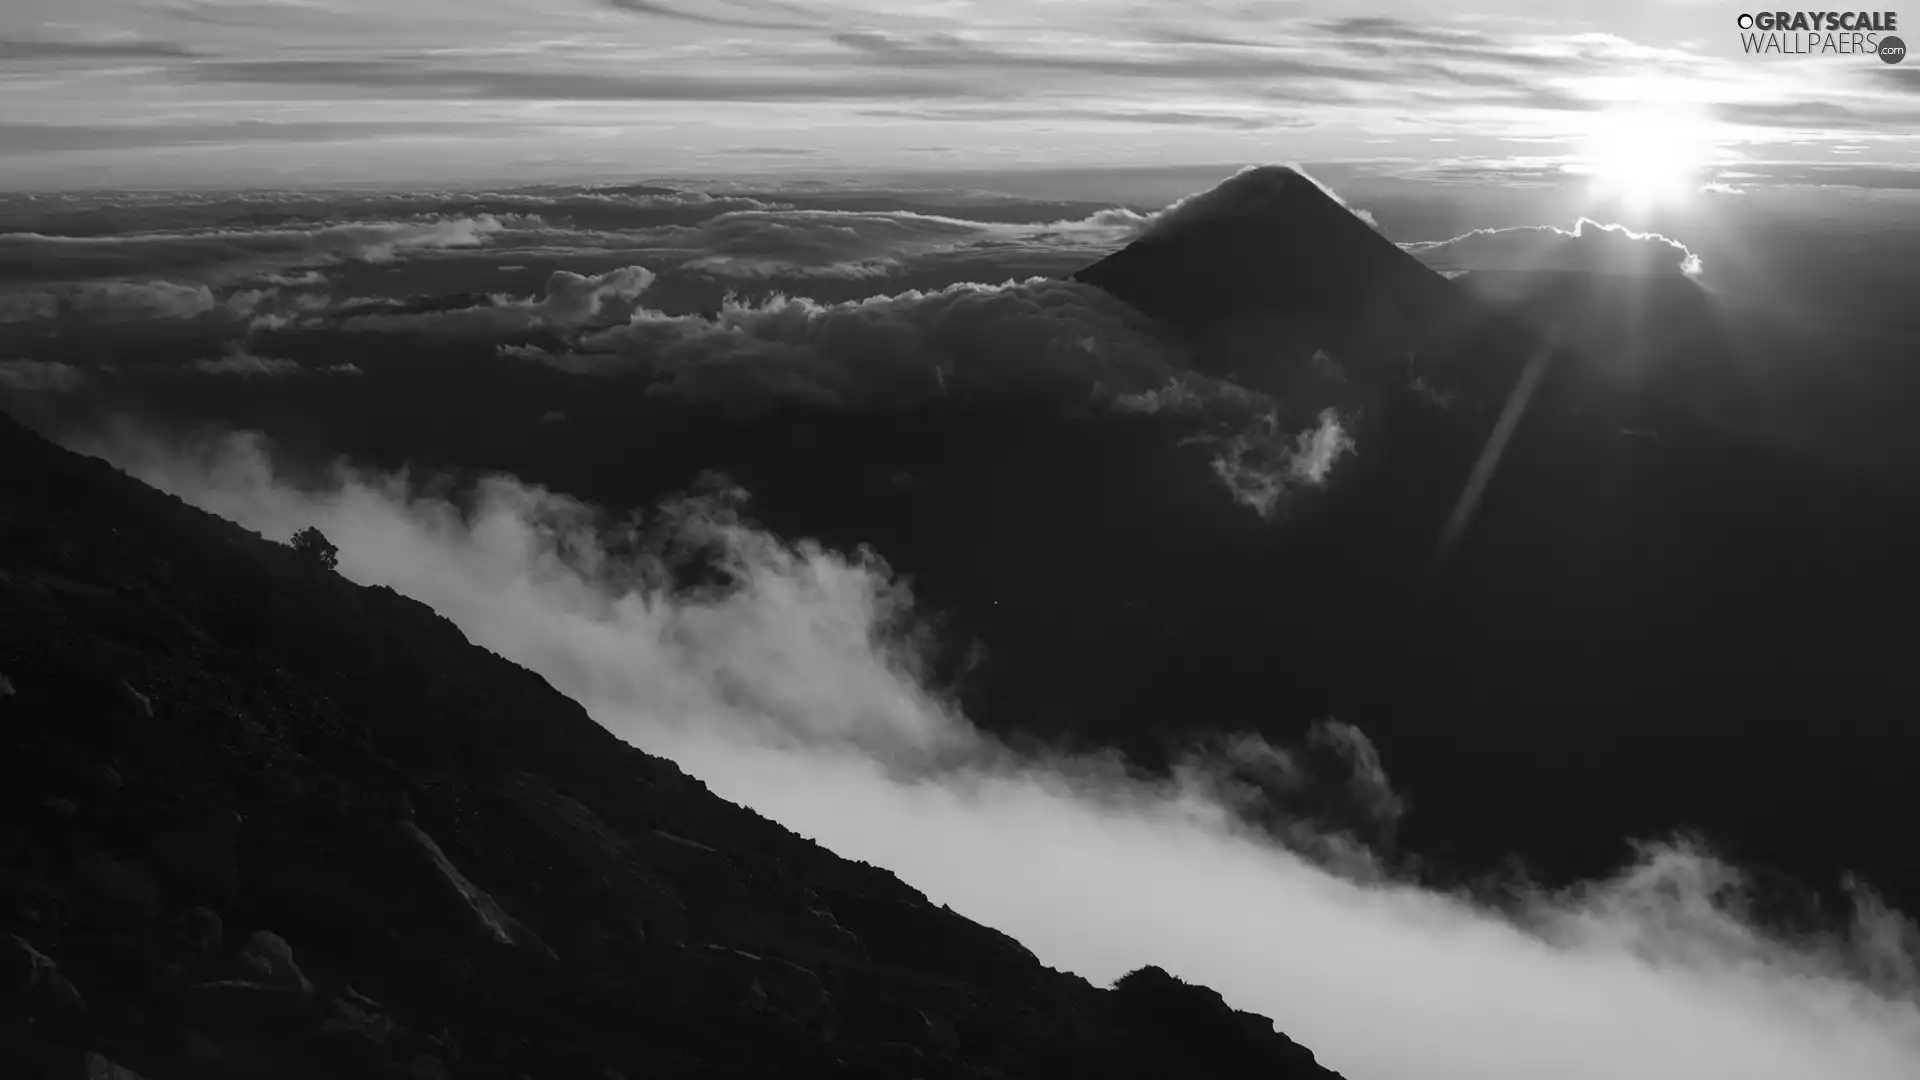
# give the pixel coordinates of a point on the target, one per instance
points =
(1892, 50)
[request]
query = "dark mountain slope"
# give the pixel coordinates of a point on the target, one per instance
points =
(260, 821)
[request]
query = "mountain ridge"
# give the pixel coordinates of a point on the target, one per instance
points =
(278, 823)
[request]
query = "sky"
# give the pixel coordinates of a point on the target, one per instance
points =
(240, 93)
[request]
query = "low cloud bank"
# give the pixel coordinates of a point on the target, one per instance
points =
(728, 238)
(1042, 339)
(1043, 342)
(1588, 247)
(234, 253)
(571, 300)
(1063, 344)
(872, 244)
(797, 690)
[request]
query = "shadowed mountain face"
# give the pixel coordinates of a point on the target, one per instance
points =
(264, 822)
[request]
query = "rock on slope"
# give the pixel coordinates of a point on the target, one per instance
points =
(259, 821)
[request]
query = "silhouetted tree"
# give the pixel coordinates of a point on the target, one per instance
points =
(314, 544)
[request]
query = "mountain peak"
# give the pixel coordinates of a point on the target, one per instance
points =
(1272, 245)
(1255, 193)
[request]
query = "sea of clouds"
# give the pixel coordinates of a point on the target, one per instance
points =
(797, 690)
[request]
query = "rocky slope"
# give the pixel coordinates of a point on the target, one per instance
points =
(258, 821)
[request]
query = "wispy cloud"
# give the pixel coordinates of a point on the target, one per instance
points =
(951, 51)
(24, 139)
(747, 14)
(422, 76)
(236, 251)
(128, 49)
(1377, 27)
(1011, 81)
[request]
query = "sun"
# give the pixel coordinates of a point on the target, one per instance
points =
(1647, 157)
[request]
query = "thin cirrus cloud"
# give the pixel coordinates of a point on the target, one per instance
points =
(415, 74)
(16, 49)
(280, 88)
(1367, 27)
(1262, 121)
(20, 139)
(746, 14)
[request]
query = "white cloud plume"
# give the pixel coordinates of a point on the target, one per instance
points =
(1589, 246)
(573, 299)
(1260, 464)
(791, 692)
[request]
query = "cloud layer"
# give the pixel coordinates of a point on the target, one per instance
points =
(232, 252)
(796, 689)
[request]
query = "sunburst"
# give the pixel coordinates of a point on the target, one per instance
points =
(1648, 158)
